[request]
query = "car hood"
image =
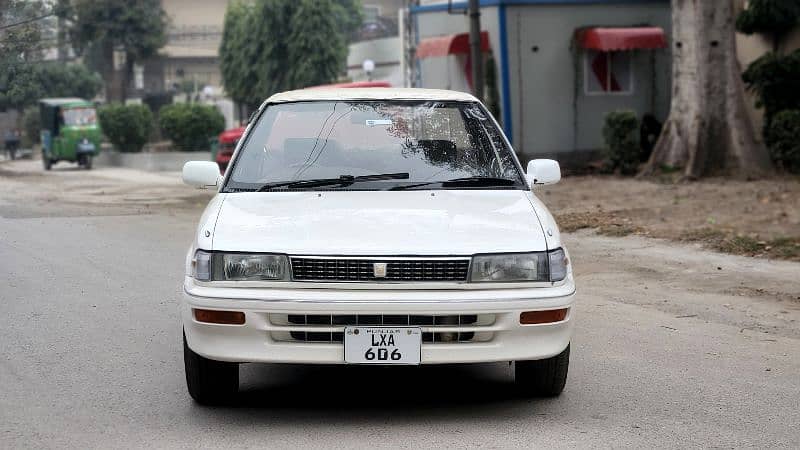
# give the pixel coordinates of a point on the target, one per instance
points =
(445, 222)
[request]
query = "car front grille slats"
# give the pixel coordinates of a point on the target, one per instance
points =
(332, 326)
(363, 270)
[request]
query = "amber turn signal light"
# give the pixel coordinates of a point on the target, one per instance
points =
(547, 316)
(219, 317)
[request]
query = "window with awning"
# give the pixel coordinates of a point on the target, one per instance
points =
(608, 63)
(619, 39)
(452, 44)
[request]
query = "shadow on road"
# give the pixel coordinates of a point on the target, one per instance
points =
(363, 389)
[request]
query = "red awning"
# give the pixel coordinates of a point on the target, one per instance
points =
(449, 45)
(614, 39)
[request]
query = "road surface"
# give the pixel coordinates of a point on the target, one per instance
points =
(674, 346)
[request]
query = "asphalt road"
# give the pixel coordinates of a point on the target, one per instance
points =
(674, 346)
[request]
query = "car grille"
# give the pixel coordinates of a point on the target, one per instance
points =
(460, 328)
(397, 270)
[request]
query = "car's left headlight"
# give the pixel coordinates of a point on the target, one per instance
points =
(516, 267)
(240, 267)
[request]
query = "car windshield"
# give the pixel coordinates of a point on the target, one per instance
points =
(431, 142)
(79, 117)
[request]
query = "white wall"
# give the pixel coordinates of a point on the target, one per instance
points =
(386, 54)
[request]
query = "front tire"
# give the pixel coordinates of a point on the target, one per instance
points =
(46, 162)
(209, 382)
(544, 377)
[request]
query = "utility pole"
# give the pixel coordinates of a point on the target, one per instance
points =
(61, 32)
(476, 56)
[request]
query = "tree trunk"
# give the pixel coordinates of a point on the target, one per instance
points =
(125, 78)
(112, 77)
(708, 131)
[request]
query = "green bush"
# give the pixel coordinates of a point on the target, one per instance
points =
(191, 126)
(32, 124)
(769, 16)
(783, 140)
(621, 134)
(126, 126)
(775, 80)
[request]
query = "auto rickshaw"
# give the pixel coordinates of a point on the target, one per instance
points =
(69, 131)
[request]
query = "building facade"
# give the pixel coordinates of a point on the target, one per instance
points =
(191, 55)
(554, 82)
(378, 41)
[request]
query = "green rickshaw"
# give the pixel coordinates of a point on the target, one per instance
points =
(69, 131)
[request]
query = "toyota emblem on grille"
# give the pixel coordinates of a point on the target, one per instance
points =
(379, 270)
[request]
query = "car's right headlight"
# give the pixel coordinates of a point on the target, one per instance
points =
(519, 267)
(215, 266)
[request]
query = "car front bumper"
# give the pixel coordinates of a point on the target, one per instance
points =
(505, 339)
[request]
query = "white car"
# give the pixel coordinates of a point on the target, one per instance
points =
(375, 226)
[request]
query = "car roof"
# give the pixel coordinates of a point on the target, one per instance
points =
(373, 93)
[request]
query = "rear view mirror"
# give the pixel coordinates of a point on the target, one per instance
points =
(202, 174)
(543, 171)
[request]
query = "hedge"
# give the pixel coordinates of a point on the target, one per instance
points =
(126, 126)
(191, 126)
(783, 140)
(621, 134)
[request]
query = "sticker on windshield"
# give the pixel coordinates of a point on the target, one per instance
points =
(378, 122)
(475, 113)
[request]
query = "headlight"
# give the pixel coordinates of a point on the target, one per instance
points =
(515, 267)
(240, 267)
(202, 266)
(558, 264)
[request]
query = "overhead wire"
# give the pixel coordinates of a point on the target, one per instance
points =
(26, 21)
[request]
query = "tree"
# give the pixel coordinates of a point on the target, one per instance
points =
(774, 18)
(235, 52)
(275, 45)
(348, 14)
(272, 60)
(708, 130)
(30, 82)
(20, 48)
(316, 45)
(136, 28)
(74, 80)
(775, 80)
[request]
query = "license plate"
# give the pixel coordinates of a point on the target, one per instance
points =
(382, 345)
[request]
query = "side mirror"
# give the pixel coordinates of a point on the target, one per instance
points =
(201, 174)
(543, 171)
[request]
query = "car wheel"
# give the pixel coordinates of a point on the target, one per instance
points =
(544, 377)
(209, 382)
(87, 162)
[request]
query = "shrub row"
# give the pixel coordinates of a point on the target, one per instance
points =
(775, 79)
(783, 139)
(621, 134)
(126, 126)
(190, 126)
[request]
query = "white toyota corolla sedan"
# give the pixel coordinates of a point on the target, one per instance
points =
(375, 226)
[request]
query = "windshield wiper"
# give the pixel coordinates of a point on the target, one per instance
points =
(457, 182)
(342, 181)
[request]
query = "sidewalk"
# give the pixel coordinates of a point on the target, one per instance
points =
(30, 191)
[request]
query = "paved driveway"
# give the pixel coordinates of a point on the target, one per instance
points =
(674, 346)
